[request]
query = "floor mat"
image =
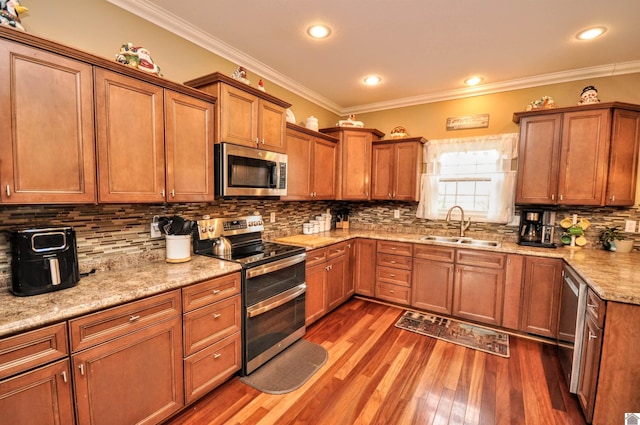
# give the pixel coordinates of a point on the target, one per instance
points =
(460, 333)
(289, 370)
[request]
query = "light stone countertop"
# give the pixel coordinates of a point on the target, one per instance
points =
(613, 276)
(105, 289)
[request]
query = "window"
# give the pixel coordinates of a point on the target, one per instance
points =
(474, 173)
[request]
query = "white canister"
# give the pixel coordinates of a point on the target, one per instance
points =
(311, 123)
(307, 228)
(178, 248)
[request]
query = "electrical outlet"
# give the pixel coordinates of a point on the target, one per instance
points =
(630, 226)
(155, 230)
(272, 218)
(396, 213)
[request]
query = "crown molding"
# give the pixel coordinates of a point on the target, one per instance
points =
(146, 10)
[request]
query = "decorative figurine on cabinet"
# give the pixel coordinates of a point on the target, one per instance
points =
(9, 14)
(240, 74)
(589, 95)
(350, 122)
(261, 85)
(399, 132)
(137, 57)
(545, 102)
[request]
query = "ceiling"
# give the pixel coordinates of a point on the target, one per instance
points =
(422, 49)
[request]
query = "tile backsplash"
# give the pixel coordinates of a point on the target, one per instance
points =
(108, 235)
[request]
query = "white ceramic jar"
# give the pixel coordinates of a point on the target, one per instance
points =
(311, 123)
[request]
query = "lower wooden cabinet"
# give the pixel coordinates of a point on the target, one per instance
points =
(337, 272)
(393, 272)
(591, 350)
(433, 272)
(364, 272)
(542, 282)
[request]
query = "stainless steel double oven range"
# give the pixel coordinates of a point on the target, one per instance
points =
(273, 284)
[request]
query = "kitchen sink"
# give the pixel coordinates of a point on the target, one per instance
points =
(459, 240)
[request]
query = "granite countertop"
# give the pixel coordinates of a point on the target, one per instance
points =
(613, 276)
(105, 289)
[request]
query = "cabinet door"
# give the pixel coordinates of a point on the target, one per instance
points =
(136, 378)
(41, 396)
(299, 149)
(336, 278)
(407, 167)
(478, 294)
(316, 298)
(238, 117)
(541, 297)
(130, 123)
(512, 291)
(623, 158)
(356, 165)
(432, 286)
(189, 148)
(349, 282)
(584, 157)
(538, 159)
(364, 268)
(589, 366)
(324, 169)
(382, 170)
(272, 124)
(47, 138)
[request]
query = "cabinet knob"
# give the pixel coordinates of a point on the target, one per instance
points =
(162, 193)
(217, 315)
(217, 355)
(173, 193)
(216, 291)
(8, 191)
(81, 367)
(592, 335)
(64, 376)
(133, 318)
(613, 198)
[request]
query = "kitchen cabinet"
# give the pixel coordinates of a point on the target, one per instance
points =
(311, 169)
(354, 161)
(584, 155)
(478, 289)
(245, 115)
(364, 276)
(212, 343)
(35, 377)
(127, 362)
(396, 168)
(337, 273)
(542, 283)
(433, 273)
(591, 349)
(47, 138)
(393, 271)
(131, 141)
(513, 273)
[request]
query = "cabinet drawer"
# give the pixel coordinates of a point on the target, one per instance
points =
(213, 290)
(99, 327)
(393, 293)
(336, 250)
(210, 367)
(437, 253)
(396, 261)
(30, 349)
(397, 248)
(209, 324)
(595, 308)
(394, 276)
(474, 257)
(316, 256)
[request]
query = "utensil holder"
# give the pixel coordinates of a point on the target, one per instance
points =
(178, 248)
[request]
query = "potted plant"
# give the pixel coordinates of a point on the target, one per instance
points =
(608, 237)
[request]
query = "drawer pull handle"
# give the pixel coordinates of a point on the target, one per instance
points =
(64, 376)
(391, 291)
(592, 306)
(215, 316)
(8, 191)
(393, 261)
(81, 367)
(217, 355)
(133, 318)
(592, 335)
(392, 275)
(216, 291)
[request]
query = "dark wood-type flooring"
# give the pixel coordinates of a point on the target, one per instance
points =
(379, 374)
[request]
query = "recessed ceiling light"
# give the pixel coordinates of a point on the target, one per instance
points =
(319, 31)
(473, 81)
(591, 33)
(372, 80)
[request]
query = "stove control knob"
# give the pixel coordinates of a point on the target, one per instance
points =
(206, 217)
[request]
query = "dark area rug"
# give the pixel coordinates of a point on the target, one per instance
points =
(288, 370)
(460, 333)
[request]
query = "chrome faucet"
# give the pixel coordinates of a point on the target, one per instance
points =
(463, 226)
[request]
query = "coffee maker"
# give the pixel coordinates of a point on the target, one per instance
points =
(537, 228)
(43, 260)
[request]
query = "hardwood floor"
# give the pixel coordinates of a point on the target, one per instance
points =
(379, 374)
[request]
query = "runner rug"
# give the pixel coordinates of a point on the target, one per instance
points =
(460, 333)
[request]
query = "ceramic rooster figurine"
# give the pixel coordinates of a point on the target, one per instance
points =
(9, 13)
(137, 57)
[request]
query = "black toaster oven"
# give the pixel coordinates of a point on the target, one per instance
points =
(43, 260)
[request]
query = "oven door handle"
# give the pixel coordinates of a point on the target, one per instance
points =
(277, 301)
(275, 266)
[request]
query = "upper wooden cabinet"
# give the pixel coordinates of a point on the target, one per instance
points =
(245, 115)
(396, 168)
(131, 116)
(312, 172)
(47, 137)
(584, 155)
(354, 160)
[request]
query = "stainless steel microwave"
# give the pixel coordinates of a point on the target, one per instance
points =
(243, 171)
